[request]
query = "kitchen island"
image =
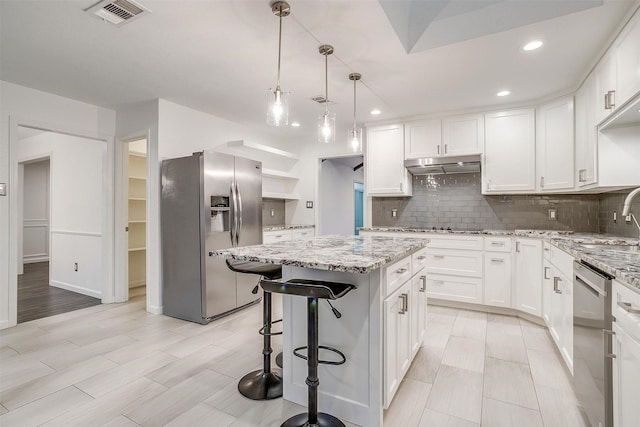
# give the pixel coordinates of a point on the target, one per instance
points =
(382, 323)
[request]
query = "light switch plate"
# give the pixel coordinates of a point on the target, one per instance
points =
(553, 214)
(3, 189)
(309, 205)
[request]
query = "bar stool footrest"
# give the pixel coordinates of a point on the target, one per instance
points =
(270, 334)
(296, 352)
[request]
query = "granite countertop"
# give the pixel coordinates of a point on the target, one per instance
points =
(351, 254)
(623, 265)
(285, 227)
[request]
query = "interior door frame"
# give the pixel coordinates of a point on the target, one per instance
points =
(107, 228)
(121, 263)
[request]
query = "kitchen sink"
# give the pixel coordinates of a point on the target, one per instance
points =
(623, 248)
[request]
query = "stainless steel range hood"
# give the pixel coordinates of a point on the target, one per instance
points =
(443, 165)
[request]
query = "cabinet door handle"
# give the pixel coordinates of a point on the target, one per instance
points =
(581, 174)
(445, 148)
(546, 270)
(542, 182)
(405, 303)
(401, 270)
(517, 246)
(424, 283)
(610, 100)
(400, 186)
(497, 260)
(556, 281)
(438, 149)
(626, 306)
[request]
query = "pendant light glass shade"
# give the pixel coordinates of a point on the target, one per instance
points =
(277, 100)
(327, 127)
(327, 120)
(278, 107)
(355, 133)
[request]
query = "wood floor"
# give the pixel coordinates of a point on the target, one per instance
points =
(116, 365)
(37, 299)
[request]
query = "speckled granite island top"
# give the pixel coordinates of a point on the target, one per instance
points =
(351, 254)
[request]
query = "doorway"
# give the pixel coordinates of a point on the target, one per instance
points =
(337, 206)
(136, 229)
(59, 252)
(358, 206)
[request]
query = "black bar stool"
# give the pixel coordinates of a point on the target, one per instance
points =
(261, 384)
(312, 290)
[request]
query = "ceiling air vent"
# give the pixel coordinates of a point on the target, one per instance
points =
(320, 99)
(118, 12)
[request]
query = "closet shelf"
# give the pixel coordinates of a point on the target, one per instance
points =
(272, 173)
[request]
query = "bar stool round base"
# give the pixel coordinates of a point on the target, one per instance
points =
(258, 385)
(279, 360)
(302, 420)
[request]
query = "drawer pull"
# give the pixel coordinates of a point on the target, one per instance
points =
(497, 260)
(401, 270)
(422, 257)
(278, 236)
(424, 283)
(497, 243)
(626, 306)
(438, 256)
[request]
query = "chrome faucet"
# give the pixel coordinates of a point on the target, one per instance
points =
(626, 209)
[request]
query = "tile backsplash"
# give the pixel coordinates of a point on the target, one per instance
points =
(456, 201)
(277, 205)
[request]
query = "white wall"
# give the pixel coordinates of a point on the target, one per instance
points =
(35, 213)
(19, 104)
(76, 169)
(336, 197)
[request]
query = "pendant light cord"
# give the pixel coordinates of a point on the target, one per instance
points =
(326, 83)
(279, 46)
(354, 103)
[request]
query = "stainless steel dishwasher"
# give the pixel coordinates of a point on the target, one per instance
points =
(592, 343)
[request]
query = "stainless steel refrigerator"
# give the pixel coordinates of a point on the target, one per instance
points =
(209, 201)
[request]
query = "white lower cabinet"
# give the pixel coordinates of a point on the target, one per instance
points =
(405, 319)
(626, 363)
(529, 276)
(397, 340)
(276, 236)
(497, 279)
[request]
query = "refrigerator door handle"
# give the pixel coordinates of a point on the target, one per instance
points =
(233, 219)
(239, 225)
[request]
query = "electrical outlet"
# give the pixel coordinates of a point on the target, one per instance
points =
(272, 213)
(394, 213)
(553, 214)
(615, 216)
(309, 204)
(75, 266)
(627, 218)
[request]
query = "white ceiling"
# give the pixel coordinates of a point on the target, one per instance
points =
(219, 56)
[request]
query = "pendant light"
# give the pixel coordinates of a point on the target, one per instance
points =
(326, 121)
(355, 133)
(277, 100)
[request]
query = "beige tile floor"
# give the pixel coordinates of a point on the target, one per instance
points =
(116, 365)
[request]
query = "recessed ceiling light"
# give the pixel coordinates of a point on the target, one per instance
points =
(503, 93)
(532, 45)
(295, 124)
(375, 112)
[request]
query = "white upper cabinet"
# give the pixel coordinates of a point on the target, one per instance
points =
(606, 83)
(423, 138)
(385, 174)
(462, 135)
(586, 135)
(627, 54)
(554, 145)
(509, 152)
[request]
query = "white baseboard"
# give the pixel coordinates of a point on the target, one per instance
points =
(74, 288)
(137, 283)
(4, 324)
(32, 260)
(153, 309)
